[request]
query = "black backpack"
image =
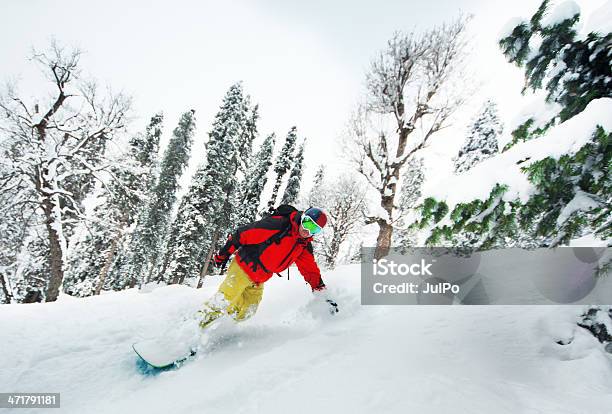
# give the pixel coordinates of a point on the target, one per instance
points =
(284, 210)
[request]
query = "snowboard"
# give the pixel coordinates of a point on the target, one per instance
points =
(163, 355)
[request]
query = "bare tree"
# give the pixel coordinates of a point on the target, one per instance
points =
(411, 94)
(58, 142)
(345, 204)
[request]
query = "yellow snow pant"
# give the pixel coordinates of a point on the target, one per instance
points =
(238, 296)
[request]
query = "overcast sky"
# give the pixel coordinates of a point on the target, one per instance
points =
(302, 61)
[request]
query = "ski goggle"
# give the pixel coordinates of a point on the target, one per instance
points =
(309, 224)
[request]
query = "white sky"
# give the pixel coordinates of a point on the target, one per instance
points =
(303, 62)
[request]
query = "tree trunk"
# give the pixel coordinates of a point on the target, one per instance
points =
(334, 248)
(33, 296)
(204, 271)
(385, 229)
(107, 263)
(50, 203)
(132, 282)
(55, 253)
(6, 289)
(383, 241)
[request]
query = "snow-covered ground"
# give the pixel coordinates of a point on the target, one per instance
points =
(294, 357)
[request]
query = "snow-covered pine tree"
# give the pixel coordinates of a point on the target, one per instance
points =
(245, 159)
(145, 150)
(575, 70)
(91, 257)
(255, 181)
(154, 219)
(245, 149)
(566, 189)
(481, 142)
(404, 236)
(318, 196)
(89, 252)
(314, 198)
(572, 69)
(292, 190)
(282, 164)
(247, 177)
(205, 210)
(57, 149)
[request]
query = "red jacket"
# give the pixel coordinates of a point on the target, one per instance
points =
(260, 257)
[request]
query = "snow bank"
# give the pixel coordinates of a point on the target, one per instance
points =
(565, 138)
(294, 357)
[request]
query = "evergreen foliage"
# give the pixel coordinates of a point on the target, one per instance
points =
(154, 218)
(282, 164)
(255, 182)
(205, 211)
(481, 142)
(571, 192)
(316, 195)
(572, 70)
(413, 177)
(294, 182)
(92, 255)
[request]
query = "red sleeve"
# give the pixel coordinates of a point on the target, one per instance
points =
(307, 266)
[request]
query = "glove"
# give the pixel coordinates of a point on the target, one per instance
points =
(321, 292)
(220, 260)
(320, 287)
(333, 306)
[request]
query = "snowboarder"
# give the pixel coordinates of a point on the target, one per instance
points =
(261, 249)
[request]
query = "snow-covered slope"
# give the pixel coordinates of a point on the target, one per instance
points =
(294, 357)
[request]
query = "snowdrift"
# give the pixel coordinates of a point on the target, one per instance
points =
(295, 357)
